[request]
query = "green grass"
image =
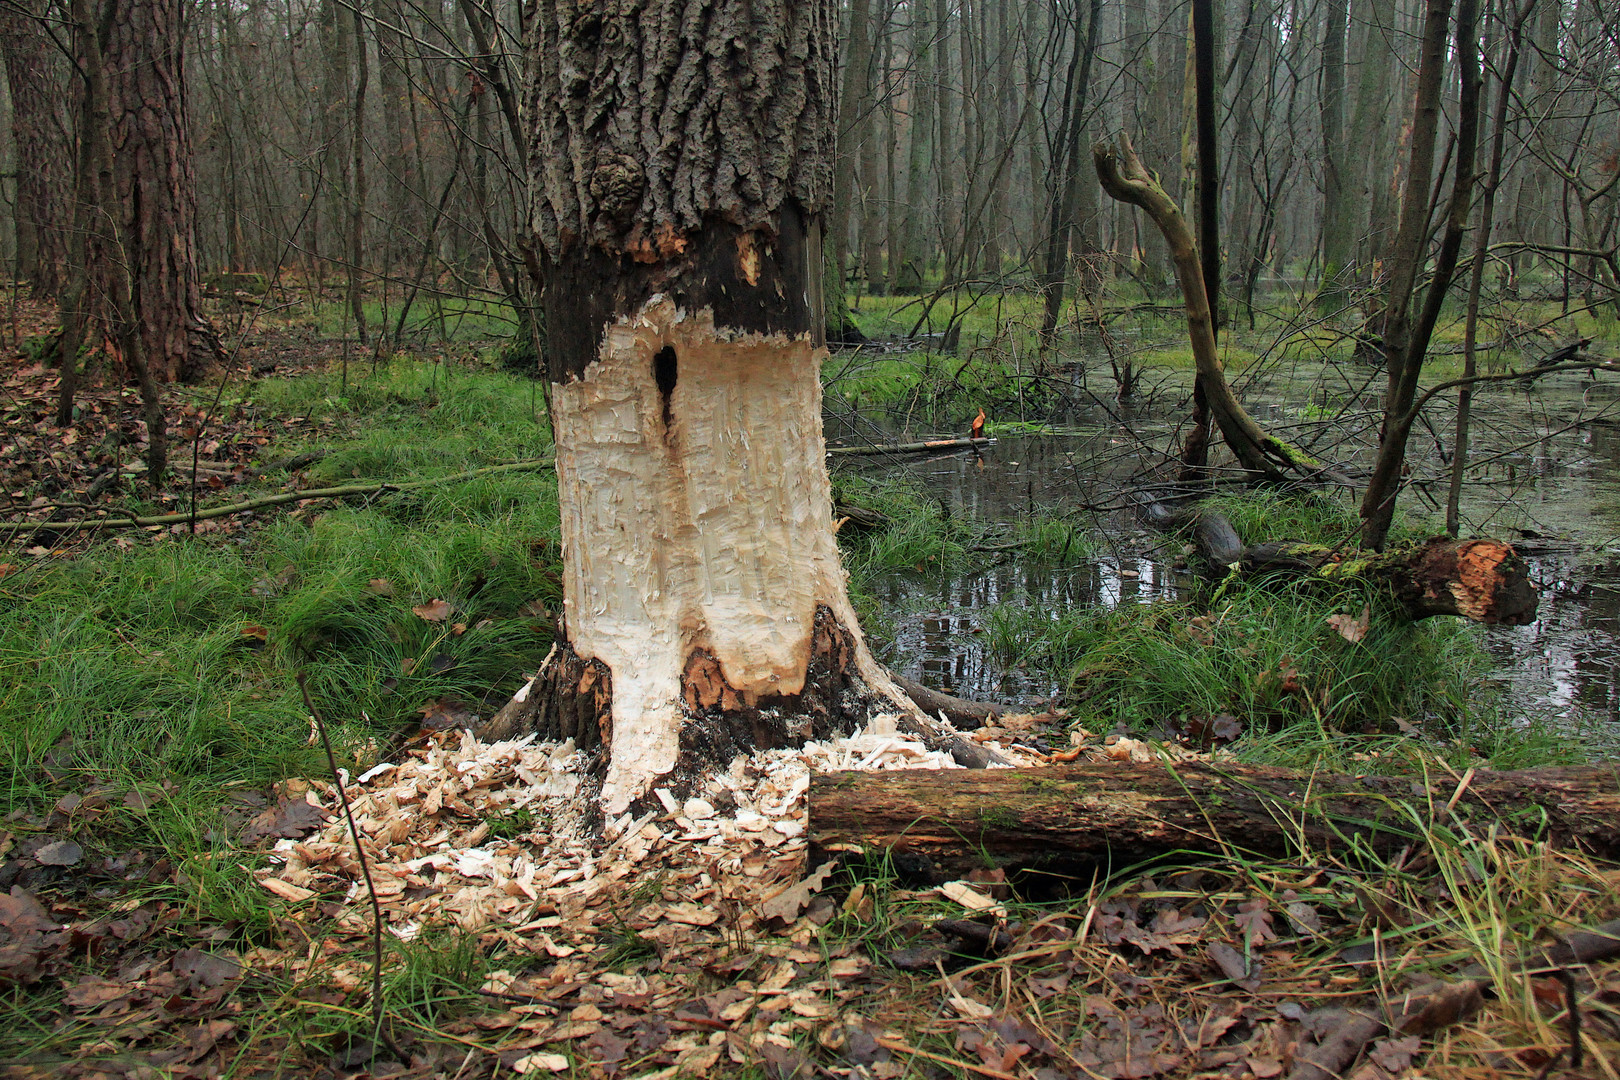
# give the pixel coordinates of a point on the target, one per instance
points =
(173, 658)
(1265, 652)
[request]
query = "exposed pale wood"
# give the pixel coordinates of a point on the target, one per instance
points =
(1118, 812)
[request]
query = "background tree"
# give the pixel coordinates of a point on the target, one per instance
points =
(36, 77)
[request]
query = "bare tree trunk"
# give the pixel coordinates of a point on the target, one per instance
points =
(1336, 228)
(1125, 178)
(1406, 339)
(853, 128)
(871, 185)
(907, 271)
(37, 83)
(1068, 171)
(1476, 273)
(357, 166)
(705, 610)
(1366, 169)
(947, 144)
(155, 180)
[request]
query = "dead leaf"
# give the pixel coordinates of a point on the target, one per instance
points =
(289, 819)
(433, 610)
(1395, 1054)
(1254, 918)
(1234, 966)
(787, 904)
(203, 970)
(381, 587)
(59, 853)
(691, 915)
(1352, 627)
(447, 713)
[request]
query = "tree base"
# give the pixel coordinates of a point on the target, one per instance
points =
(572, 698)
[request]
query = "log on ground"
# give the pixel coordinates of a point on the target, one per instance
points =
(1483, 580)
(947, 822)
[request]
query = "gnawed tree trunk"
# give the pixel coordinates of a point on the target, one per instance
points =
(943, 823)
(681, 158)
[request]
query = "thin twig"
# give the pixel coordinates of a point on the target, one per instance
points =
(377, 1011)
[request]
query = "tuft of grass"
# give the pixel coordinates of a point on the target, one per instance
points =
(1264, 653)
(921, 534)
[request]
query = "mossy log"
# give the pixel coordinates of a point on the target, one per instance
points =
(1483, 580)
(940, 824)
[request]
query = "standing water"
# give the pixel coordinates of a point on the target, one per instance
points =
(1545, 476)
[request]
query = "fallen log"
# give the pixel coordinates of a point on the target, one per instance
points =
(948, 822)
(1483, 580)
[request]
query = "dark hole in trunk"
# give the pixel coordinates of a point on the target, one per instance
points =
(664, 376)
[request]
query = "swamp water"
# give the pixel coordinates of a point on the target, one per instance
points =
(1545, 476)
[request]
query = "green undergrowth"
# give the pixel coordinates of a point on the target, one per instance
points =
(169, 660)
(410, 419)
(917, 534)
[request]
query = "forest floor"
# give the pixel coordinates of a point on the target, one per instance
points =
(184, 899)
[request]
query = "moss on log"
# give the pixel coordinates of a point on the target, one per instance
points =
(948, 822)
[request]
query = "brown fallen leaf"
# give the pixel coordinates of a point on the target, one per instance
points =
(1352, 627)
(1233, 965)
(289, 819)
(786, 904)
(59, 853)
(433, 611)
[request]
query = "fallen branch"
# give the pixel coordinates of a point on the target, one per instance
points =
(124, 520)
(1483, 580)
(1083, 814)
(913, 447)
(1440, 1007)
(960, 712)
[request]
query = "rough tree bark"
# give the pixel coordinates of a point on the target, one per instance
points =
(1068, 169)
(1336, 227)
(36, 78)
(943, 823)
(680, 160)
(138, 286)
(1407, 332)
